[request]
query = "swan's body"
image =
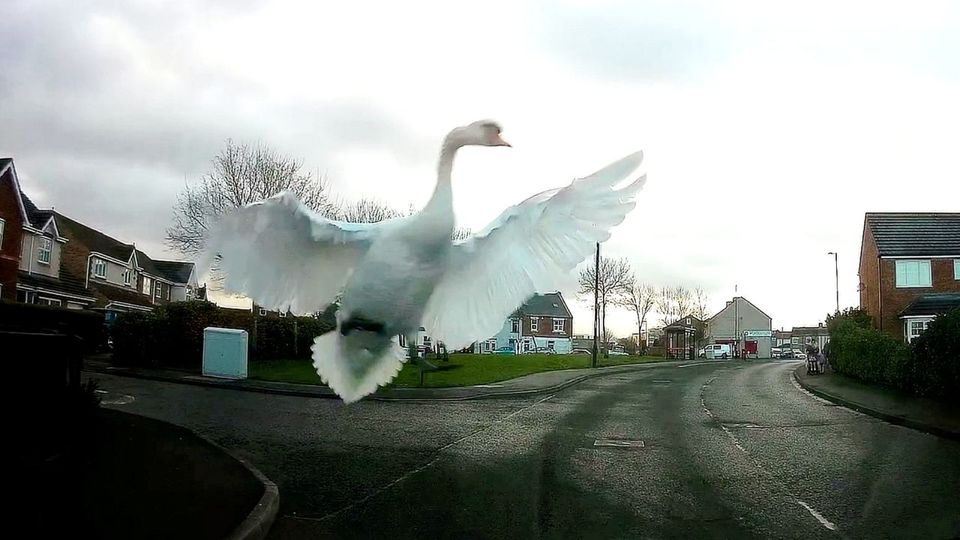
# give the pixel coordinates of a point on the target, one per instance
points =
(401, 274)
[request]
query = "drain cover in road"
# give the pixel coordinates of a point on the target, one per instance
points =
(619, 443)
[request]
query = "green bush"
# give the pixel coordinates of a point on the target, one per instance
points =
(936, 355)
(172, 335)
(87, 325)
(930, 366)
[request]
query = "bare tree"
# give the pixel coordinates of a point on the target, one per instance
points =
(673, 303)
(700, 301)
(615, 278)
(241, 174)
(365, 211)
(640, 299)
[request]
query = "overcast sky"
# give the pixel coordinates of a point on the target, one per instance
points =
(769, 128)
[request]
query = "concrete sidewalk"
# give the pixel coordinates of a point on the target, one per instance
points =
(934, 417)
(536, 383)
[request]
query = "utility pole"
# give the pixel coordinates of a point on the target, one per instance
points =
(596, 304)
(836, 275)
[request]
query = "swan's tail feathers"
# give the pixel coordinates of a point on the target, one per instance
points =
(355, 372)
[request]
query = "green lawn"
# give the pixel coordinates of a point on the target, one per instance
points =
(461, 370)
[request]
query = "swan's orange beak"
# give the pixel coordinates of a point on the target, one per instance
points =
(498, 141)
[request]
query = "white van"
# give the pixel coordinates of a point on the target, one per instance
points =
(718, 350)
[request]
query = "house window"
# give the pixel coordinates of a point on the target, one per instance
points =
(43, 301)
(263, 312)
(956, 264)
(913, 274)
(558, 325)
(795, 340)
(146, 285)
(514, 325)
(43, 252)
(156, 289)
(915, 327)
(534, 324)
(550, 345)
(100, 268)
(283, 314)
(126, 277)
(2, 222)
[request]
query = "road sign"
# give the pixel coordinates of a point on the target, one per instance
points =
(757, 333)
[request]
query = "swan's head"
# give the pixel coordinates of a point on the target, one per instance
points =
(480, 133)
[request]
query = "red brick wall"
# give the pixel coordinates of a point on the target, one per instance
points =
(894, 300)
(869, 276)
(12, 237)
(545, 328)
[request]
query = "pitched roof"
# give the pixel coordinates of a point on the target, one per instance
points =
(681, 323)
(176, 271)
(932, 304)
(547, 305)
(94, 239)
(67, 283)
(128, 296)
(905, 233)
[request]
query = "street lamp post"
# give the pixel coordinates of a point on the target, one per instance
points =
(836, 275)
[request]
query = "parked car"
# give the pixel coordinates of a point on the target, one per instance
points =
(545, 350)
(505, 350)
(617, 353)
(581, 351)
(797, 353)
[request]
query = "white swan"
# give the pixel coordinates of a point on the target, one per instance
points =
(400, 274)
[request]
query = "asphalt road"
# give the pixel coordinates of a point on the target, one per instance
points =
(717, 449)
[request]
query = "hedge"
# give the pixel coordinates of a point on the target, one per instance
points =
(84, 324)
(172, 335)
(929, 366)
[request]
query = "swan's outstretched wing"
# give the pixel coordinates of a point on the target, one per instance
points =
(284, 255)
(528, 249)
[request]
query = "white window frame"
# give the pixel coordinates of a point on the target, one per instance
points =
(908, 328)
(283, 314)
(47, 301)
(147, 287)
(45, 248)
(2, 223)
(908, 268)
(126, 277)
(263, 312)
(157, 289)
(558, 330)
(515, 325)
(99, 268)
(956, 268)
(534, 324)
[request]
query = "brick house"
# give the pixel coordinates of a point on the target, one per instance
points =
(544, 322)
(49, 258)
(683, 337)
(122, 277)
(909, 269)
(12, 216)
(31, 248)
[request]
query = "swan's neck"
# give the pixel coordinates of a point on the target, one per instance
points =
(442, 198)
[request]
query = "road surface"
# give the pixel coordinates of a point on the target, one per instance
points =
(704, 450)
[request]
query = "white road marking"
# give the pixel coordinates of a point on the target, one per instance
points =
(823, 521)
(691, 365)
(619, 443)
(817, 515)
(488, 386)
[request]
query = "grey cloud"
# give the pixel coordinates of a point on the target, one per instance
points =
(636, 40)
(90, 130)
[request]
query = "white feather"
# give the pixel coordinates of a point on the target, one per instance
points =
(354, 372)
(528, 249)
(284, 255)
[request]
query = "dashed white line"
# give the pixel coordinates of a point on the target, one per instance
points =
(813, 512)
(823, 521)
